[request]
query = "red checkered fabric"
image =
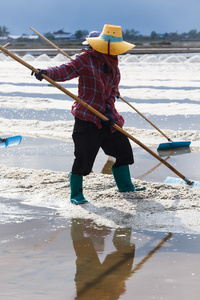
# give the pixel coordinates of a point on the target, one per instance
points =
(99, 77)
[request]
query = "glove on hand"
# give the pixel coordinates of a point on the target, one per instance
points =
(111, 120)
(39, 75)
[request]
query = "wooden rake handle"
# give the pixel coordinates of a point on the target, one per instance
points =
(101, 116)
(144, 117)
(6, 45)
(50, 42)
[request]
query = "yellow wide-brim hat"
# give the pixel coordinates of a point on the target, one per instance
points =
(110, 41)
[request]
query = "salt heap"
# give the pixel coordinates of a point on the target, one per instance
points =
(8, 58)
(151, 59)
(163, 57)
(182, 58)
(194, 59)
(61, 57)
(2, 57)
(131, 58)
(28, 57)
(172, 59)
(43, 57)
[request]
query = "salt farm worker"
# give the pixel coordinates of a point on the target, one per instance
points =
(90, 35)
(99, 76)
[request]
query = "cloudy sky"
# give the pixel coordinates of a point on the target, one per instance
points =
(144, 16)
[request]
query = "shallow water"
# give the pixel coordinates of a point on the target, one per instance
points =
(56, 155)
(49, 257)
(176, 122)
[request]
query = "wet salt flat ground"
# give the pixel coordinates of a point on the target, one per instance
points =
(49, 257)
(42, 253)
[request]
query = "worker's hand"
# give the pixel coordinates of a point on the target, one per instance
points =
(111, 120)
(39, 75)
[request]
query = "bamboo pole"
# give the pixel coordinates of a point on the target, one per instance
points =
(101, 116)
(145, 118)
(65, 54)
(6, 45)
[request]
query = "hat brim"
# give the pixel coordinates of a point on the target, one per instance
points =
(117, 48)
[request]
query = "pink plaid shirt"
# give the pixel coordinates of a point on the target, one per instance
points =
(96, 87)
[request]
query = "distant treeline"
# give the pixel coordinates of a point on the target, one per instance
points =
(133, 35)
(128, 34)
(4, 31)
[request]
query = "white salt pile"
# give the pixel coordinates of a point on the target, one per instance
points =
(2, 57)
(194, 59)
(172, 59)
(28, 57)
(130, 58)
(151, 59)
(60, 57)
(43, 57)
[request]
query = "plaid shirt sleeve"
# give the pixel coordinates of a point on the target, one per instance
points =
(95, 87)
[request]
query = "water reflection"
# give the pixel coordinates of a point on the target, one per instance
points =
(104, 280)
(152, 169)
(174, 151)
(96, 280)
(108, 165)
(167, 153)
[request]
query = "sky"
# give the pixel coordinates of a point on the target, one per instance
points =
(144, 16)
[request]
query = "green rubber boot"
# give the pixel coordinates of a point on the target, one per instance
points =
(76, 182)
(123, 179)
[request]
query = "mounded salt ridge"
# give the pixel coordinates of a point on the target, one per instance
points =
(182, 58)
(131, 58)
(151, 59)
(124, 56)
(61, 57)
(143, 57)
(8, 58)
(172, 59)
(2, 57)
(163, 57)
(43, 57)
(194, 59)
(29, 57)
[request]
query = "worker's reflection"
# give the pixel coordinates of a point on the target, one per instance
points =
(96, 280)
(108, 165)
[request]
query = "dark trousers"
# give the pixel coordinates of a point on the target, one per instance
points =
(88, 139)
